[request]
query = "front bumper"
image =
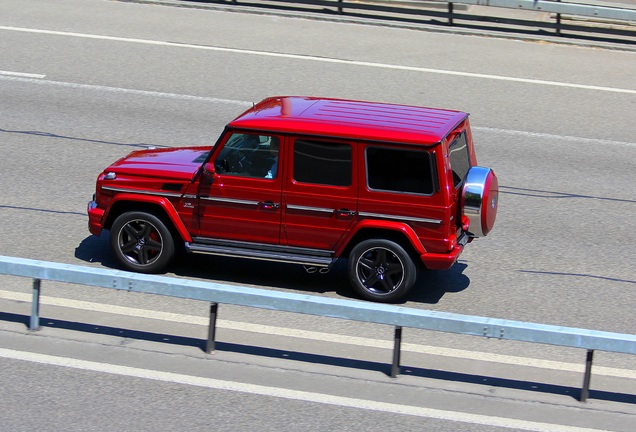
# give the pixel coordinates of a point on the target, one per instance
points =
(95, 217)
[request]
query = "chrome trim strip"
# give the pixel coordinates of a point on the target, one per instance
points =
(142, 192)
(312, 209)
(400, 218)
(231, 201)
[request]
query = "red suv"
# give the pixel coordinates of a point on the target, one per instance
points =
(308, 180)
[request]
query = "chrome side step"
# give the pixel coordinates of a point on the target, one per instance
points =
(316, 259)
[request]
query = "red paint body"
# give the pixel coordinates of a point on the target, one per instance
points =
(207, 201)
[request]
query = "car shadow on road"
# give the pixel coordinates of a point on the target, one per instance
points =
(95, 249)
(312, 358)
(429, 288)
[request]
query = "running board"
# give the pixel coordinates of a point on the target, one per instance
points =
(260, 254)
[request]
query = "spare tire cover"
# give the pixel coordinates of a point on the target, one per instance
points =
(480, 199)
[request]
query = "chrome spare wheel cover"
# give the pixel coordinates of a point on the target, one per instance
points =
(480, 199)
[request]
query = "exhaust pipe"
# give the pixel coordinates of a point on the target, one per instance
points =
(311, 269)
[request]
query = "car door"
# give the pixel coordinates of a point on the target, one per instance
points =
(243, 200)
(320, 192)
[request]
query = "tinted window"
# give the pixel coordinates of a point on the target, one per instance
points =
(399, 170)
(249, 155)
(459, 158)
(324, 163)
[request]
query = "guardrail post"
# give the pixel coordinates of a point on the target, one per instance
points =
(340, 7)
(34, 324)
(450, 14)
(558, 22)
(395, 367)
(210, 345)
(585, 391)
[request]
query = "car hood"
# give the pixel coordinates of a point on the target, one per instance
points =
(173, 163)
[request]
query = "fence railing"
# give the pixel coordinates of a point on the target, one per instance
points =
(417, 9)
(597, 10)
(392, 315)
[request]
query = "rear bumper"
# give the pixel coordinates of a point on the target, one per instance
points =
(95, 216)
(435, 261)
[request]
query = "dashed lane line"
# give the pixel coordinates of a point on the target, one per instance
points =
(21, 74)
(244, 104)
(31, 80)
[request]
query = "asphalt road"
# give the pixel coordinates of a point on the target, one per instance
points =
(83, 82)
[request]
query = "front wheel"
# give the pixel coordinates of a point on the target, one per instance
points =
(381, 270)
(141, 242)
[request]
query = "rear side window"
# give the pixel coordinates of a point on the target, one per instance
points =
(325, 163)
(459, 158)
(399, 170)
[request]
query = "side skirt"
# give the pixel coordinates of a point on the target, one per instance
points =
(264, 252)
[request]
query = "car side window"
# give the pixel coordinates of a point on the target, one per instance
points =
(399, 170)
(249, 155)
(322, 162)
(459, 158)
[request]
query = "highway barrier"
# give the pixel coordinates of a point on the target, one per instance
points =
(580, 18)
(393, 315)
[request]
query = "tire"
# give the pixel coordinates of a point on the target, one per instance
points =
(480, 200)
(141, 242)
(381, 270)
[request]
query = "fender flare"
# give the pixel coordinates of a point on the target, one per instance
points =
(162, 202)
(384, 225)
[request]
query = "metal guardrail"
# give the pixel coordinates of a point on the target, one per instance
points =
(600, 11)
(597, 10)
(592, 10)
(393, 315)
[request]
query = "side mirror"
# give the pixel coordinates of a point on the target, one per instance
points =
(208, 172)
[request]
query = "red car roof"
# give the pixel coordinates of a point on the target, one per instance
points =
(351, 119)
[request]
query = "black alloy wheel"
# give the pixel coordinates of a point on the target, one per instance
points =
(381, 270)
(141, 242)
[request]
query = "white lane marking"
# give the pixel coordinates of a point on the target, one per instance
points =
(324, 60)
(578, 140)
(123, 90)
(21, 74)
(283, 393)
(593, 141)
(319, 336)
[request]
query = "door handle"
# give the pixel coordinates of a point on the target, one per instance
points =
(345, 212)
(269, 205)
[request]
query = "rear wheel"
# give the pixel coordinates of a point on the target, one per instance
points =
(381, 270)
(141, 242)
